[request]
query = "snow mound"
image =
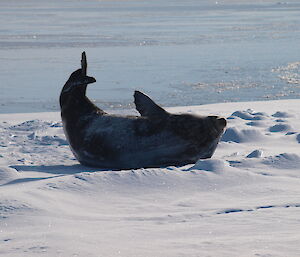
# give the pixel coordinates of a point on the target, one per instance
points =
(298, 138)
(283, 161)
(280, 114)
(242, 136)
(257, 123)
(255, 154)
(31, 125)
(7, 174)
(47, 139)
(280, 128)
(280, 120)
(249, 115)
(210, 165)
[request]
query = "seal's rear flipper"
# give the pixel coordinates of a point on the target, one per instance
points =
(83, 64)
(146, 107)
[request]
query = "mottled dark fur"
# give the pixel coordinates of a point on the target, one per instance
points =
(156, 138)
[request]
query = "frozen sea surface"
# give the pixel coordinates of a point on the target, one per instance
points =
(179, 52)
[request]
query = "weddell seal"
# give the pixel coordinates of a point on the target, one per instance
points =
(157, 138)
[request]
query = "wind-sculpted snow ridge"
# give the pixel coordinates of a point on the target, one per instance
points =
(238, 203)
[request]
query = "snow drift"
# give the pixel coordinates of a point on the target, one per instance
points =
(239, 203)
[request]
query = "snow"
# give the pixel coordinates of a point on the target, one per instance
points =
(244, 201)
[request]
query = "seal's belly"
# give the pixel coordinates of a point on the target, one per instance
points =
(118, 142)
(112, 141)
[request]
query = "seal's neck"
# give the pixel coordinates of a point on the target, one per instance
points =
(76, 102)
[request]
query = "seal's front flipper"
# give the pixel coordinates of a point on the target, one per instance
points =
(146, 107)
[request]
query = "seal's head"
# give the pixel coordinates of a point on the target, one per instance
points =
(217, 125)
(75, 86)
(77, 80)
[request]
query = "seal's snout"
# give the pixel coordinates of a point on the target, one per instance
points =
(222, 122)
(89, 80)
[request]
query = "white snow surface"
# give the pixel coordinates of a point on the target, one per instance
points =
(244, 201)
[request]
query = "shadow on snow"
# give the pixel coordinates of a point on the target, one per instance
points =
(56, 169)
